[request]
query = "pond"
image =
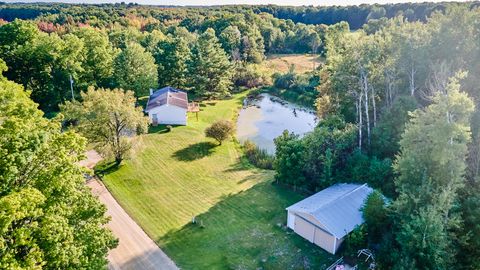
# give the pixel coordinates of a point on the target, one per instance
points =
(265, 117)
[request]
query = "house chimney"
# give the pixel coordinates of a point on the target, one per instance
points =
(151, 91)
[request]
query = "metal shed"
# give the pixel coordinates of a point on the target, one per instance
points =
(326, 217)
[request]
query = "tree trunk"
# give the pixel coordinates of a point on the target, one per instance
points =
(374, 107)
(360, 120)
(118, 159)
(365, 91)
(411, 79)
(389, 83)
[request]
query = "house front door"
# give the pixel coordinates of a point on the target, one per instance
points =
(154, 119)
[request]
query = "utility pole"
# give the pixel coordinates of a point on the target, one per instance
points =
(71, 86)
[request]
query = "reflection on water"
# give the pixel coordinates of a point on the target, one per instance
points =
(265, 118)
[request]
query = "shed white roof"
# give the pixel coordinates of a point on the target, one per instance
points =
(338, 207)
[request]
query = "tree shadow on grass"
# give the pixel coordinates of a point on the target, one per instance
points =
(158, 129)
(195, 151)
(105, 167)
(244, 230)
(242, 164)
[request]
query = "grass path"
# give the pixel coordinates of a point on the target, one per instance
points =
(176, 175)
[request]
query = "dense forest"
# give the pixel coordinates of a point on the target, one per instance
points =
(397, 107)
(398, 98)
(357, 16)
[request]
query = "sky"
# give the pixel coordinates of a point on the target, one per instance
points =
(232, 2)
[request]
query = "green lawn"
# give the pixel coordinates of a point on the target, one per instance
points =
(173, 176)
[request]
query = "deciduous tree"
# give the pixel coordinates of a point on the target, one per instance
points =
(220, 130)
(49, 219)
(107, 118)
(135, 69)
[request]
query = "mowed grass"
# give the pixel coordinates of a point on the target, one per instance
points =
(174, 176)
(302, 62)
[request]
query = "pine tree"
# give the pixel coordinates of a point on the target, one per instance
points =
(431, 169)
(171, 57)
(210, 68)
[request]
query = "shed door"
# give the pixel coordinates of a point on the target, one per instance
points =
(304, 229)
(155, 119)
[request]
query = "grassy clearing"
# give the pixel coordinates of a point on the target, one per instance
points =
(176, 175)
(302, 62)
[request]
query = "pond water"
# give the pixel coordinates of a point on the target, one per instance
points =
(266, 117)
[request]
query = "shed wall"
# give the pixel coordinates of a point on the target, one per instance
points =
(169, 115)
(312, 232)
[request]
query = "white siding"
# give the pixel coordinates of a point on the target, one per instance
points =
(291, 220)
(304, 229)
(324, 240)
(313, 231)
(169, 115)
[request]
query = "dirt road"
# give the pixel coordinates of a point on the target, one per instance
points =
(135, 249)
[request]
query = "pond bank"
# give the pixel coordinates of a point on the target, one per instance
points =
(265, 117)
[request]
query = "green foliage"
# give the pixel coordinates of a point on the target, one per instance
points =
(326, 151)
(251, 76)
(48, 219)
(172, 56)
(376, 172)
(107, 118)
(258, 157)
(220, 130)
(431, 170)
(230, 38)
(209, 67)
(289, 160)
(387, 133)
(376, 218)
(317, 160)
(356, 240)
(135, 69)
(41, 62)
(470, 205)
(98, 58)
(298, 88)
(251, 46)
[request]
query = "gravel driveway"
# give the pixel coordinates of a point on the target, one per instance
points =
(135, 249)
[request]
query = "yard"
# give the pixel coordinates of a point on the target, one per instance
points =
(174, 176)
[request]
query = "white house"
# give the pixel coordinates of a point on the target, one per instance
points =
(328, 216)
(167, 106)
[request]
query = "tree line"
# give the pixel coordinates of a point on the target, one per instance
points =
(398, 105)
(358, 15)
(126, 47)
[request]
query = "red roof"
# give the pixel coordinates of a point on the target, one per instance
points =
(167, 96)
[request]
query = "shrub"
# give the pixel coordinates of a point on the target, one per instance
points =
(258, 157)
(251, 76)
(298, 88)
(220, 130)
